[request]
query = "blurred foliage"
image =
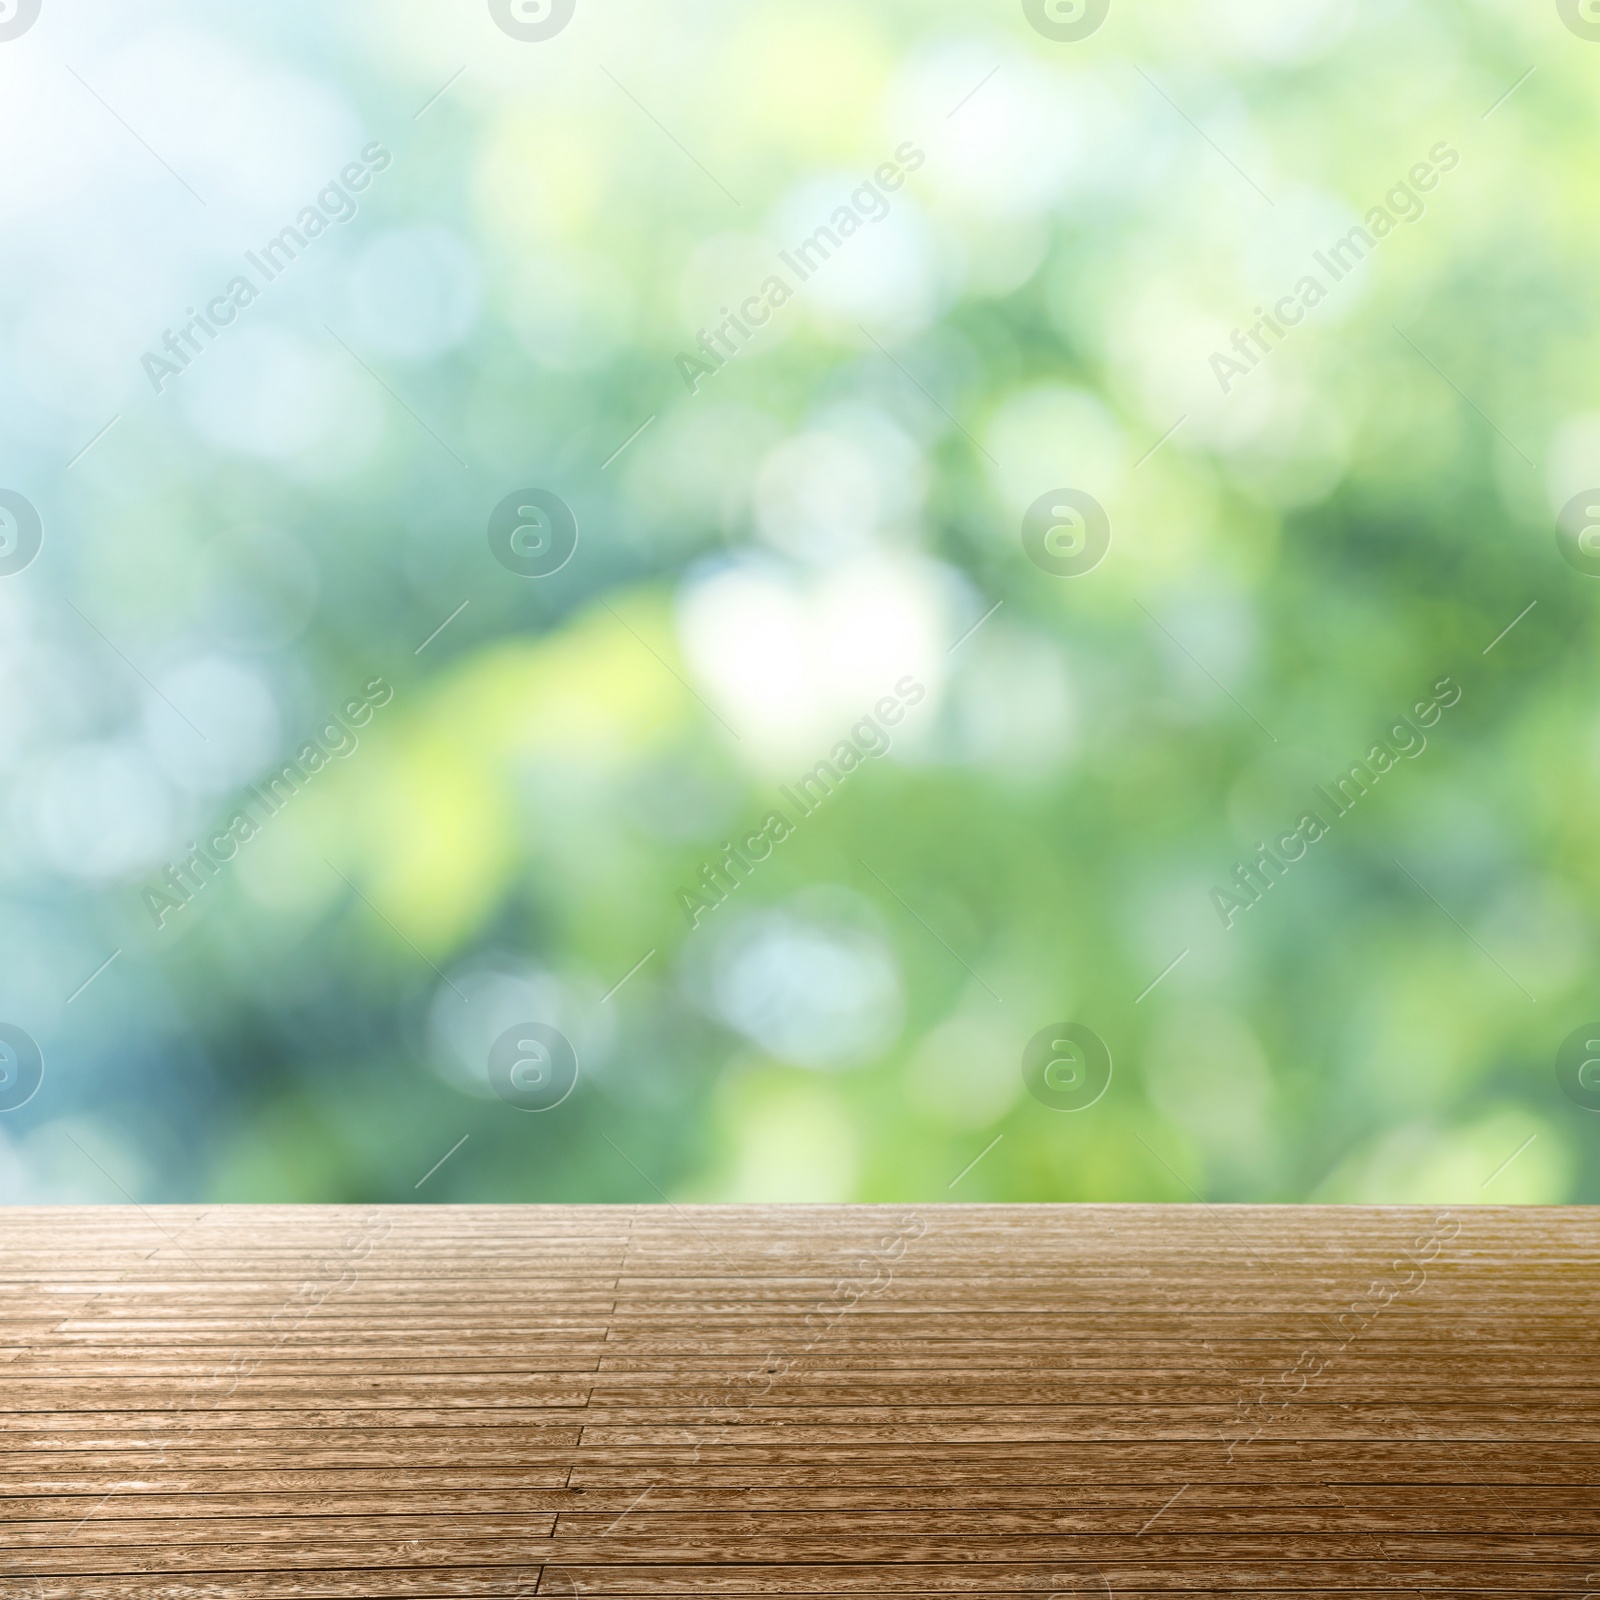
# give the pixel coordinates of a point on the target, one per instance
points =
(1294, 562)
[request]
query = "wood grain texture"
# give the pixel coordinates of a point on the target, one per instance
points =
(1115, 1401)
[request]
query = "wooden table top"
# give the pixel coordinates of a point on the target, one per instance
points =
(916, 1400)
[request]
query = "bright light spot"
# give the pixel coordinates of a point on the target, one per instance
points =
(794, 1144)
(788, 663)
(965, 1073)
(884, 271)
(813, 986)
(827, 494)
(414, 293)
(230, 705)
(271, 394)
(1050, 437)
(99, 810)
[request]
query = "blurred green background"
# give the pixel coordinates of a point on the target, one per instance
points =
(1293, 564)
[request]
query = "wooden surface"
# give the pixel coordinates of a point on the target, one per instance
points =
(1111, 1401)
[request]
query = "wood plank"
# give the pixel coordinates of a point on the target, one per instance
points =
(275, 1403)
